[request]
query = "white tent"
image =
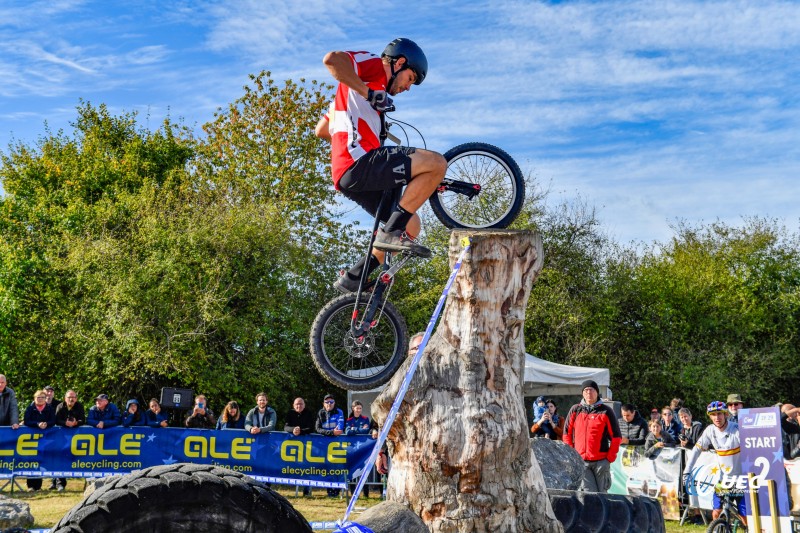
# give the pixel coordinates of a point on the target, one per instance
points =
(542, 378)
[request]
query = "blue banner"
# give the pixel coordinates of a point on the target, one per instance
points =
(276, 457)
(762, 454)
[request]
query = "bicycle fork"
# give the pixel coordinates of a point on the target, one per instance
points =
(360, 326)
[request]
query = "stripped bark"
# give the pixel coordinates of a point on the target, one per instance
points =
(461, 457)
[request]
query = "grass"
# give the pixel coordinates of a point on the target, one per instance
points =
(47, 507)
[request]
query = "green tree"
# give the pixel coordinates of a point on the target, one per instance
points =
(133, 260)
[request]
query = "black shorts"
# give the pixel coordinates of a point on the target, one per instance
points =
(382, 169)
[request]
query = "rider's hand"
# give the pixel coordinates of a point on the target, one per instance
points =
(379, 100)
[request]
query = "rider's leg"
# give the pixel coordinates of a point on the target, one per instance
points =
(413, 228)
(427, 171)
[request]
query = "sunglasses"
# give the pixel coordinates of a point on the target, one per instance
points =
(329, 401)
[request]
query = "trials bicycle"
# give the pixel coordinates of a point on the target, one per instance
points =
(358, 340)
(729, 520)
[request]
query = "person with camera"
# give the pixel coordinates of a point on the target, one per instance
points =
(69, 414)
(202, 417)
(692, 429)
(550, 425)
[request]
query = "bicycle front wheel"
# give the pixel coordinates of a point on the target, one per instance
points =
(357, 363)
(720, 525)
(502, 188)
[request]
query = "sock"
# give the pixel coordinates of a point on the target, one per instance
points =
(398, 220)
(355, 271)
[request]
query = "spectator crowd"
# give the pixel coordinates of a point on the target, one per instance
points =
(593, 429)
(45, 411)
(591, 426)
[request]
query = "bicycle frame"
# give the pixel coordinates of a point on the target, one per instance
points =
(731, 513)
(367, 322)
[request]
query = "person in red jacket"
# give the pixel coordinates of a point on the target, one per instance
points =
(593, 431)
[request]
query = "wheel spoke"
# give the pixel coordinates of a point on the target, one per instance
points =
(358, 358)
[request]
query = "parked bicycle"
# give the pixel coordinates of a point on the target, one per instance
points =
(359, 340)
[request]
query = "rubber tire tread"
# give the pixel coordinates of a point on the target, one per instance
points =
(584, 512)
(720, 521)
(497, 153)
(183, 497)
(335, 376)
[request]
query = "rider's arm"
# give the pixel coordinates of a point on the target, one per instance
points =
(340, 65)
(322, 130)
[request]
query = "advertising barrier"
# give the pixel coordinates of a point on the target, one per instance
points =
(657, 478)
(276, 457)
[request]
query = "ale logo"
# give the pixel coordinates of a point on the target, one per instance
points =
(26, 445)
(88, 444)
(296, 452)
(198, 446)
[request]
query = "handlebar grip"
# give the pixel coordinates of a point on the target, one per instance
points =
(389, 108)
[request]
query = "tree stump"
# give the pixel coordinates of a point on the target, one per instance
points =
(461, 456)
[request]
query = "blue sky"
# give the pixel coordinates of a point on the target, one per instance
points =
(652, 111)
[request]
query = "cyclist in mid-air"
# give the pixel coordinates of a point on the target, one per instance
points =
(723, 436)
(362, 168)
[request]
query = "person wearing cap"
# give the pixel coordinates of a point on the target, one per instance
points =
(103, 414)
(51, 397)
(592, 429)
(330, 422)
(655, 414)
(734, 404)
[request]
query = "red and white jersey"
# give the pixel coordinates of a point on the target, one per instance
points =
(354, 126)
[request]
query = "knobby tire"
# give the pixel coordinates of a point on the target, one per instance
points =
(352, 365)
(502, 188)
(183, 497)
(720, 525)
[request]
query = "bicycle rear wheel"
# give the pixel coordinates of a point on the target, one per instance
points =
(502, 188)
(720, 525)
(357, 364)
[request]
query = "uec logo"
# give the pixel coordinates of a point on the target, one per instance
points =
(295, 452)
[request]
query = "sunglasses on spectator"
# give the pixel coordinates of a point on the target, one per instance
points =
(329, 401)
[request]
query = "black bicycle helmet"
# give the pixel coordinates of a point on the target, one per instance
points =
(415, 57)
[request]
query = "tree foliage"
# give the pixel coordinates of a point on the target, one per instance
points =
(133, 260)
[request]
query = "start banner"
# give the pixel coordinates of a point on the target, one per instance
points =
(276, 457)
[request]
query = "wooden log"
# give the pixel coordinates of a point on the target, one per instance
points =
(461, 456)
